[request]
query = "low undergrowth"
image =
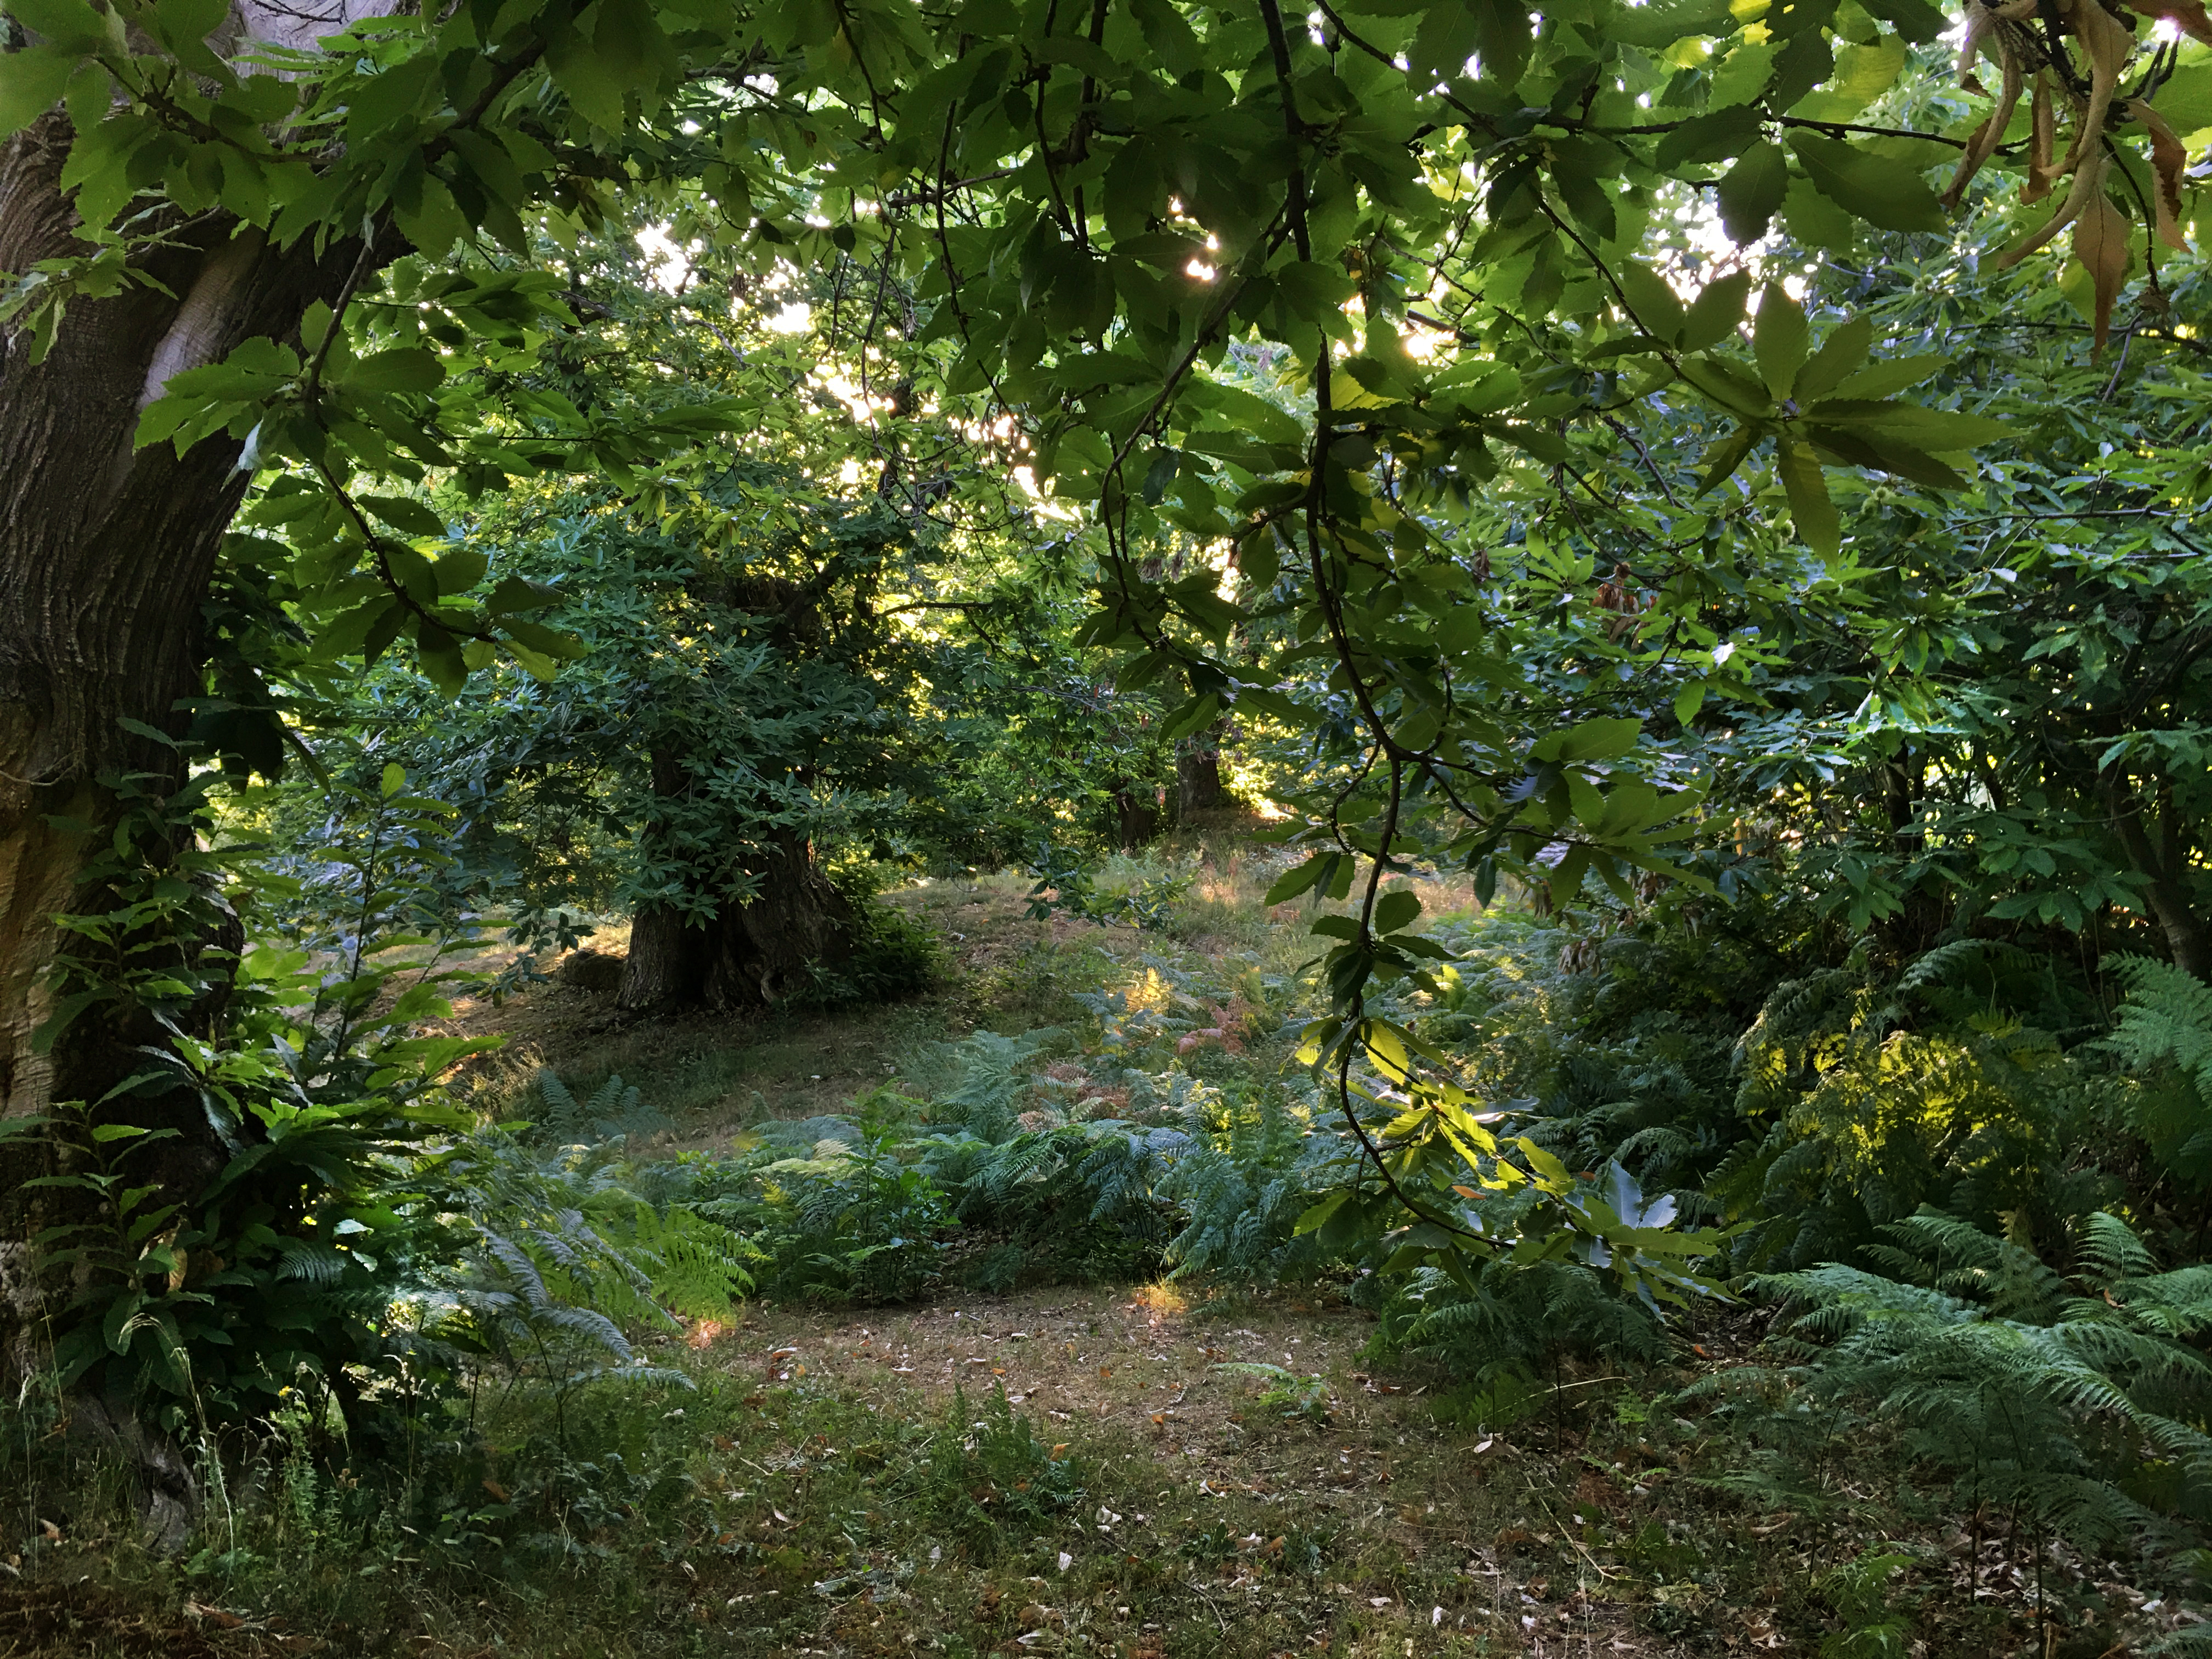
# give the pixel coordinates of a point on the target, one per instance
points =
(1022, 1347)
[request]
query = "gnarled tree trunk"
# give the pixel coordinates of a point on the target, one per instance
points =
(2162, 850)
(106, 555)
(1136, 813)
(1198, 787)
(745, 956)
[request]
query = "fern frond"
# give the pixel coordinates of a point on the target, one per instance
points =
(2168, 1016)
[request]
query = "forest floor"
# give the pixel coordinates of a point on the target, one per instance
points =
(1333, 1503)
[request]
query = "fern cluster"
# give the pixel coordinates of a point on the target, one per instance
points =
(2165, 1031)
(562, 1252)
(2078, 1397)
(1240, 1191)
(612, 1112)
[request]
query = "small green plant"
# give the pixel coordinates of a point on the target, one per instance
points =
(890, 954)
(990, 1479)
(852, 1220)
(2056, 1394)
(1499, 1395)
(206, 1295)
(1286, 1392)
(540, 1339)
(1859, 1592)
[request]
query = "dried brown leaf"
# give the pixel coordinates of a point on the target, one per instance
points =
(2169, 157)
(2100, 243)
(2187, 15)
(2042, 140)
(1986, 138)
(2086, 184)
(2108, 45)
(1981, 29)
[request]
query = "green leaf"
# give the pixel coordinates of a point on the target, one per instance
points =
(1806, 487)
(1134, 189)
(1688, 701)
(1858, 447)
(459, 570)
(438, 655)
(1169, 35)
(514, 594)
(1295, 881)
(1591, 741)
(1844, 350)
(394, 779)
(1314, 1218)
(1714, 315)
(587, 80)
(1444, 41)
(1248, 411)
(113, 1328)
(1723, 457)
(546, 641)
(1546, 1165)
(2185, 99)
(401, 368)
(1915, 20)
(1888, 195)
(1743, 75)
(1752, 191)
(1862, 74)
(1395, 910)
(1664, 22)
(412, 517)
(1653, 305)
(1925, 429)
(1727, 386)
(1193, 716)
(1714, 136)
(1502, 39)
(630, 44)
(62, 22)
(1889, 376)
(32, 84)
(1780, 338)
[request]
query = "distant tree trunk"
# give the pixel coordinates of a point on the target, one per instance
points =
(1198, 787)
(2160, 850)
(106, 551)
(745, 956)
(1918, 922)
(1136, 814)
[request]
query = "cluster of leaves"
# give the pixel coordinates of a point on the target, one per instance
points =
(211, 1294)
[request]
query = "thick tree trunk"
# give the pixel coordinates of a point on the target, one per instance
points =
(746, 956)
(1198, 787)
(2160, 850)
(1136, 814)
(106, 555)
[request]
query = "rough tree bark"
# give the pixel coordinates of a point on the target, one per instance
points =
(106, 557)
(1136, 813)
(1198, 787)
(2161, 850)
(746, 956)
